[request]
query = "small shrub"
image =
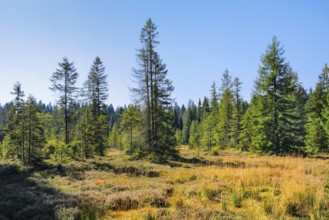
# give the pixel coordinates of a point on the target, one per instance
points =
(268, 206)
(295, 208)
(237, 199)
(211, 194)
(180, 203)
(163, 214)
(64, 213)
(88, 213)
(214, 151)
(192, 177)
(150, 216)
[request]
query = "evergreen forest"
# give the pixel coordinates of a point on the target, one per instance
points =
(281, 118)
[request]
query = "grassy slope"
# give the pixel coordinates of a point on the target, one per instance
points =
(232, 185)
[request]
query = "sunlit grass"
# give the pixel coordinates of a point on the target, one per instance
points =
(232, 185)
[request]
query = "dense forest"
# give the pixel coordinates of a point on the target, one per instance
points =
(281, 117)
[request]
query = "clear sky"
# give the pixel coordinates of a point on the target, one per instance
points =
(198, 41)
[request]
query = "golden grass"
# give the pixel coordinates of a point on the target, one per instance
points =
(235, 186)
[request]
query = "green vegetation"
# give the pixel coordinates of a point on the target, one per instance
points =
(83, 159)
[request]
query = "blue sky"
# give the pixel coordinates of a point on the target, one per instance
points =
(198, 41)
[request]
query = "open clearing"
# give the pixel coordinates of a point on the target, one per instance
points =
(232, 185)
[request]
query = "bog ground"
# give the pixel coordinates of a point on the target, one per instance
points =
(232, 185)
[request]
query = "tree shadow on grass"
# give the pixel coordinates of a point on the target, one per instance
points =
(24, 197)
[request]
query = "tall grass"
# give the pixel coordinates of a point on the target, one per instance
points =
(232, 185)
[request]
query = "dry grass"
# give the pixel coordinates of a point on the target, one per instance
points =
(233, 185)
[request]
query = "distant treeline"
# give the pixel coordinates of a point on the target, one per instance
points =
(281, 118)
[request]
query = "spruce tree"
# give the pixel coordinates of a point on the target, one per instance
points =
(130, 121)
(96, 87)
(225, 117)
(237, 113)
(34, 128)
(153, 93)
(63, 82)
(84, 132)
(275, 92)
(252, 136)
(194, 134)
(96, 93)
(16, 127)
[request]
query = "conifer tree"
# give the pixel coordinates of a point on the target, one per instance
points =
(317, 135)
(63, 82)
(84, 132)
(208, 131)
(153, 93)
(130, 120)
(237, 112)
(252, 134)
(194, 134)
(96, 87)
(34, 128)
(115, 139)
(214, 98)
(275, 90)
(96, 92)
(25, 130)
(16, 128)
(225, 116)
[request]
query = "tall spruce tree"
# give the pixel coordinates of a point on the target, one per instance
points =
(237, 112)
(63, 82)
(16, 127)
(153, 92)
(208, 128)
(96, 87)
(225, 117)
(34, 128)
(96, 93)
(275, 90)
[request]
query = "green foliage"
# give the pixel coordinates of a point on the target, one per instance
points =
(317, 132)
(130, 123)
(208, 128)
(225, 116)
(95, 93)
(237, 114)
(252, 136)
(35, 129)
(178, 136)
(84, 133)
(153, 93)
(58, 151)
(237, 199)
(63, 82)
(115, 139)
(8, 148)
(1, 151)
(194, 139)
(281, 116)
(25, 129)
